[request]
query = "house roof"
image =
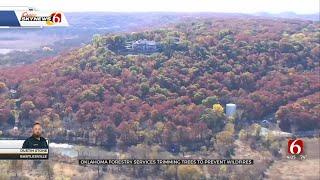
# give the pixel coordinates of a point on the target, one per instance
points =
(144, 41)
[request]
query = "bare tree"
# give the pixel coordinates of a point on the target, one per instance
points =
(48, 169)
(16, 166)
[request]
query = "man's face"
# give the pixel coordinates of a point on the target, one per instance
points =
(36, 130)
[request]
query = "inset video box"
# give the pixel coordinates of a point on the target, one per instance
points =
(12, 149)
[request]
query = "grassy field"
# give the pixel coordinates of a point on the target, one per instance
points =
(58, 170)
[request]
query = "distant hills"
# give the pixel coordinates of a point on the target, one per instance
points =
(30, 42)
(290, 15)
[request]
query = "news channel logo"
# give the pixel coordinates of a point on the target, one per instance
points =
(53, 18)
(295, 149)
(11, 17)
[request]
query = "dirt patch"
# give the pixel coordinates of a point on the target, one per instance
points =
(71, 171)
(295, 169)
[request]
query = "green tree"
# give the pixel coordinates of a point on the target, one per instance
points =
(224, 140)
(97, 40)
(210, 101)
(214, 119)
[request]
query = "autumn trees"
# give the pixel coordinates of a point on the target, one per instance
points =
(214, 118)
(2, 86)
(175, 97)
(301, 115)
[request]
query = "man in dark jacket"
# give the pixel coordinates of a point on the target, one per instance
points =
(36, 141)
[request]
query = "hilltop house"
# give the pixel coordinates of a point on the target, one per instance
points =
(144, 45)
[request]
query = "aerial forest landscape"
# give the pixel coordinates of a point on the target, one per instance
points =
(162, 92)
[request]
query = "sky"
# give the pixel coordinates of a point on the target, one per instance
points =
(228, 6)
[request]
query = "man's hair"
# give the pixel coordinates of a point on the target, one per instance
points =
(36, 123)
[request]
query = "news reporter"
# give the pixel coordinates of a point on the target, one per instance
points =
(36, 141)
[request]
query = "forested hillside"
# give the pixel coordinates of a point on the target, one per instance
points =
(30, 45)
(177, 95)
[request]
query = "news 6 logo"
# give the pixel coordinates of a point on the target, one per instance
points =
(295, 146)
(55, 18)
